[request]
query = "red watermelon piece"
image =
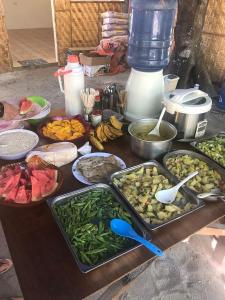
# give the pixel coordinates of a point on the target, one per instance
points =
(21, 196)
(35, 189)
(51, 173)
(10, 183)
(40, 175)
(49, 188)
(25, 106)
(11, 196)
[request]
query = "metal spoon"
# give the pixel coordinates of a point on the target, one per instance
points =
(123, 228)
(206, 195)
(169, 195)
(155, 131)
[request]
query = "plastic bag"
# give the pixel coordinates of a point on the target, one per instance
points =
(114, 14)
(57, 154)
(107, 34)
(114, 21)
(108, 27)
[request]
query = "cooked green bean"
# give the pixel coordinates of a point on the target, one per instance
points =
(85, 219)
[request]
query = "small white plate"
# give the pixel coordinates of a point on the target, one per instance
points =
(83, 179)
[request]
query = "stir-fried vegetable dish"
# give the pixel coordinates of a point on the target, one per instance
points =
(85, 219)
(139, 188)
(207, 178)
(214, 148)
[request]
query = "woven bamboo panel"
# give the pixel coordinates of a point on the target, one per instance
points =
(63, 30)
(213, 48)
(5, 58)
(62, 5)
(215, 17)
(213, 40)
(86, 21)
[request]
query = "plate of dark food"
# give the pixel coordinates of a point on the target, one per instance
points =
(96, 167)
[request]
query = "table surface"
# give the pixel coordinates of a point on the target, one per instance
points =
(43, 262)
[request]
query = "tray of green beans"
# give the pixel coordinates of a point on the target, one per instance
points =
(83, 217)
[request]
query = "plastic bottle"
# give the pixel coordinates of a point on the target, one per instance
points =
(73, 84)
(151, 33)
(221, 100)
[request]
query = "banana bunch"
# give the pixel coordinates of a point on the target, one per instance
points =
(105, 132)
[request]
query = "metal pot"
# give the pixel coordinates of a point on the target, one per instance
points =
(151, 149)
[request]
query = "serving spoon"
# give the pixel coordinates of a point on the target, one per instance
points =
(155, 130)
(169, 195)
(123, 228)
(220, 195)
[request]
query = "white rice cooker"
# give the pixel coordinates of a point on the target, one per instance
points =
(187, 110)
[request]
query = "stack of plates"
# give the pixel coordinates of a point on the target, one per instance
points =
(8, 125)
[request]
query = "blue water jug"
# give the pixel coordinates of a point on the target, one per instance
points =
(221, 100)
(151, 33)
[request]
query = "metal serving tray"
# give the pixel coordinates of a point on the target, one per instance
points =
(188, 195)
(67, 197)
(194, 144)
(207, 160)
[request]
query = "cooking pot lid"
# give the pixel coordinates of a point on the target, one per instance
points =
(187, 101)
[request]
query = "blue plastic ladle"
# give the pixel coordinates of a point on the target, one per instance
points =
(123, 228)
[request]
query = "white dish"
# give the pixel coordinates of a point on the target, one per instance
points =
(42, 114)
(83, 179)
(13, 142)
(8, 125)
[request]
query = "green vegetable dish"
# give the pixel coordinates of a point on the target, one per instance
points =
(85, 219)
(214, 148)
(139, 188)
(207, 178)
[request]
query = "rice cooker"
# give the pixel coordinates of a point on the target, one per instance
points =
(187, 110)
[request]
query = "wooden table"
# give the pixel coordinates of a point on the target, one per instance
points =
(43, 262)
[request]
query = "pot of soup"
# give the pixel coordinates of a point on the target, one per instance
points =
(151, 146)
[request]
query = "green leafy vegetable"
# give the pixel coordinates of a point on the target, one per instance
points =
(214, 148)
(85, 218)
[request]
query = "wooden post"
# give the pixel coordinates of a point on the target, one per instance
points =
(5, 57)
(63, 28)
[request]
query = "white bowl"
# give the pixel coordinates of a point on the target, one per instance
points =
(23, 153)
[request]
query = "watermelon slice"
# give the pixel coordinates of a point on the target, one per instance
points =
(21, 196)
(40, 175)
(11, 183)
(36, 189)
(11, 196)
(49, 188)
(51, 173)
(25, 106)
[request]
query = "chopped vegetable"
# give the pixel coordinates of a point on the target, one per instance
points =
(207, 178)
(139, 188)
(85, 218)
(214, 148)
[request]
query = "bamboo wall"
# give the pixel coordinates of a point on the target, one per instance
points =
(78, 22)
(213, 40)
(5, 58)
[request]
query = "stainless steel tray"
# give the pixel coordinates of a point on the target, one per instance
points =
(207, 160)
(67, 197)
(188, 195)
(194, 144)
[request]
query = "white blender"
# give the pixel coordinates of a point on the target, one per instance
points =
(150, 40)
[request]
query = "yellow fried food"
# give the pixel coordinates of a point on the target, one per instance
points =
(64, 130)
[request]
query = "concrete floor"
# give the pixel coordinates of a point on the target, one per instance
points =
(188, 270)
